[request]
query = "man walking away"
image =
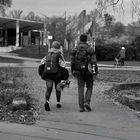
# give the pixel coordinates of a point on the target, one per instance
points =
(83, 60)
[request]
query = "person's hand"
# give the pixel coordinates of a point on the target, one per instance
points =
(72, 72)
(90, 68)
(75, 73)
(93, 69)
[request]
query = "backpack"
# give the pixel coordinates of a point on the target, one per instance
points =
(81, 58)
(64, 73)
(41, 69)
(51, 64)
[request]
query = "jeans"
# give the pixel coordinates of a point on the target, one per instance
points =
(84, 97)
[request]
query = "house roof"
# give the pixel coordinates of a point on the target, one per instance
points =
(24, 25)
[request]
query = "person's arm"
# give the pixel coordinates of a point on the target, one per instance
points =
(73, 59)
(62, 57)
(118, 55)
(43, 60)
(62, 61)
(92, 61)
(92, 56)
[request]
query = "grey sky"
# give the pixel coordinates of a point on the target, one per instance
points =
(58, 7)
(53, 7)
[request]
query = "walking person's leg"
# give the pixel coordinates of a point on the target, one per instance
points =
(81, 85)
(89, 86)
(122, 61)
(49, 87)
(58, 95)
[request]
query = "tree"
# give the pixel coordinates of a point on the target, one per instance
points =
(108, 21)
(103, 5)
(57, 29)
(117, 29)
(71, 28)
(96, 19)
(32, 16)
(15, 13)
(3, 5)
(133, 29)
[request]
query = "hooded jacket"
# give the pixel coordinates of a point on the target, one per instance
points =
(90, 51)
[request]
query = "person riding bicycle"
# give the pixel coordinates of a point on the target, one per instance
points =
(121, 56)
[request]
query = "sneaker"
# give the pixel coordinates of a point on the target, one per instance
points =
(87, 106)
(47, 106)
(81, 110)
(63, 84)
(58, 105)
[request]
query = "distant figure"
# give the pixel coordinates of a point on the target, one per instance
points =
(121, 56)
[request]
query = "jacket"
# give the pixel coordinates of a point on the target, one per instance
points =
(90, 51)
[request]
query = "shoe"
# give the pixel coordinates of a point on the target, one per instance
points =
(87, 106)
(47, 106)
(63, 84)
(58, 105)
(81, 110)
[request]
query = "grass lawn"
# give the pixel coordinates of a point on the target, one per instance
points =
(118, 76)
(124, 83)
(13, 84)
(10, 60)
(127, 63)
(32, 52)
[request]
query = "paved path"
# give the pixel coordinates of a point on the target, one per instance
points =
(107, 121)
(30, 62)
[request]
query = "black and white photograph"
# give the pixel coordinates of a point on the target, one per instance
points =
(70, 70)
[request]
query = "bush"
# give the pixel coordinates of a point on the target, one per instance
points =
(107, 52)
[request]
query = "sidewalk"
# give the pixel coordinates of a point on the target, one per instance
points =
(32, 62)
(107, 121)
(95, 125)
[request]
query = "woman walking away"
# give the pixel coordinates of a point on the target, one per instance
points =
(52, 73)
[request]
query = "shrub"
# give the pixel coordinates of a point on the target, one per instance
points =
(107, 52)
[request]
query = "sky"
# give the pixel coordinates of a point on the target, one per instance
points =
(53, 7)
(58, 8)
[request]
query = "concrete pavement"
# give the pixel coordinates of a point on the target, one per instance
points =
(32, 62)
(96, 125)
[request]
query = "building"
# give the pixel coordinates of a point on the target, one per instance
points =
(20, 32)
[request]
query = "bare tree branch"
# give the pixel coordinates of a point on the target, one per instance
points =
(119, 6)
(114, 3)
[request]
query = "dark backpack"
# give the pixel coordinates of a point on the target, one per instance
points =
(51, 64)
(81, 58)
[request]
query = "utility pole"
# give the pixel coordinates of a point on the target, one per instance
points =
(93, 32)
(45, 38)
(65, 24)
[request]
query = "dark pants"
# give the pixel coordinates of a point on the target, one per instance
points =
(122, 61)
(85, 97)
